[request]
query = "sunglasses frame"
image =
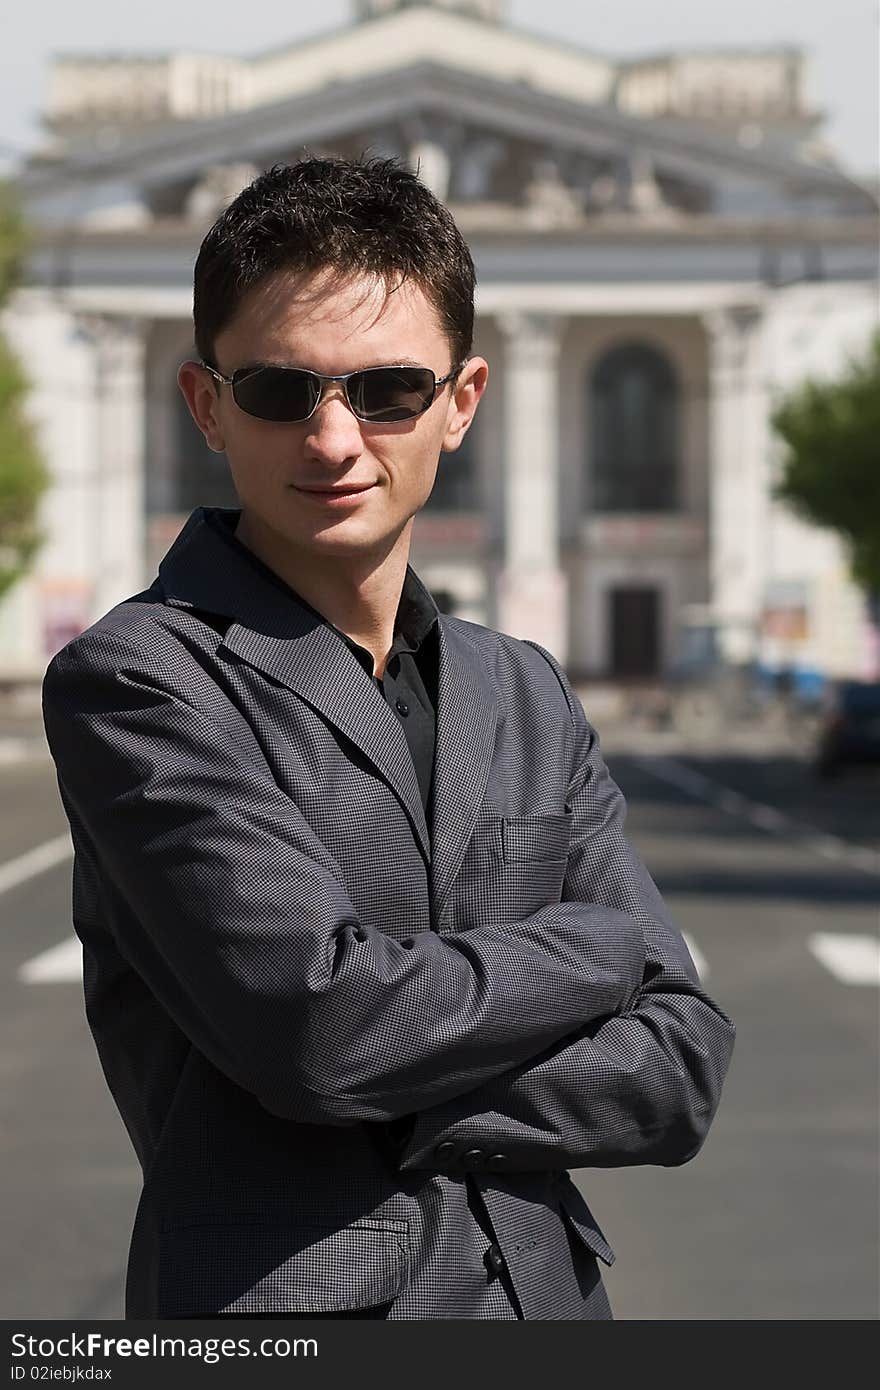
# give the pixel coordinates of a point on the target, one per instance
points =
(242, 373)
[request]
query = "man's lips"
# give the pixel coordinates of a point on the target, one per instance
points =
(337, 499)
(335, 491)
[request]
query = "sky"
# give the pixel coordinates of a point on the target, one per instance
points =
(840, 37)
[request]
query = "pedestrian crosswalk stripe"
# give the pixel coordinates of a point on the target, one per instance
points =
(35, 861)
(59, 963)
(854, 960)
(696, 955)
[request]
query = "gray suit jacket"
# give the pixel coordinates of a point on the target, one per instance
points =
(278, 960)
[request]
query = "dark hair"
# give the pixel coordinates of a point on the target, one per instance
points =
(365, 216)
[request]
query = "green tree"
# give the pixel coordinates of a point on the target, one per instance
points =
(23, 473)
(831, 467)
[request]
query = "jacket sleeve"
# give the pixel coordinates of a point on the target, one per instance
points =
(641, 1086)
(220, 896)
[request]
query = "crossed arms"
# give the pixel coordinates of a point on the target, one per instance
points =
(581, 1029)
(639, 1086)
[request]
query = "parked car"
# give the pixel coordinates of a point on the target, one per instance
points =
(849, 729)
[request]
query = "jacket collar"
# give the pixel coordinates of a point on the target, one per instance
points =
(274, 630)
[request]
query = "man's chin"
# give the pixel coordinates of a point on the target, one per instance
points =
(342, 537)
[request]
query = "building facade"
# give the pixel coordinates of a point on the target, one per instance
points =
(662, 246)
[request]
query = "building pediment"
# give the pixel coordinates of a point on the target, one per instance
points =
(480, 142)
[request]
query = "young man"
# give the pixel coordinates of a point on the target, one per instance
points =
(368, 960)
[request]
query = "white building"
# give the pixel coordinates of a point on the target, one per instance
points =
(661, 246)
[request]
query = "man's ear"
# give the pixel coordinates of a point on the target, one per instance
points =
(199, 390)
(465, 391)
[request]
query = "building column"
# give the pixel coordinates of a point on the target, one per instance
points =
(117, 507)
(532, 595)
(737, 502)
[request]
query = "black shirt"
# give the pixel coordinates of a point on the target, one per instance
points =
(410, 681)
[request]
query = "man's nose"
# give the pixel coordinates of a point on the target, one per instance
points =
(334, 432)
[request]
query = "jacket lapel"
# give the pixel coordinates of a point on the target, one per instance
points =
(275, 632)
(328, 676)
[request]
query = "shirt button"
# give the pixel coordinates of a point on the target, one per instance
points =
(401, 706)
(497, 1161)
(494, 1258)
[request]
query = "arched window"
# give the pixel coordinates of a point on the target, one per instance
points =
(455, 488)
(634, 431)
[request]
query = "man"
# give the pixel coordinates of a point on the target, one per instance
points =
(368, 960)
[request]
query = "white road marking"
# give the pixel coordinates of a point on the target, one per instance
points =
(62, 962)
(854, 960)
(768, 818)
(765, 817)
(697, 955)
(865, 858)
(35, 861)
(678, 774)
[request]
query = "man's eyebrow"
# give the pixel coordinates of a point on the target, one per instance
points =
(398, 362)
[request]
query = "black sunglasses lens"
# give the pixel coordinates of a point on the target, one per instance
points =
(386, 394)
(281, 394)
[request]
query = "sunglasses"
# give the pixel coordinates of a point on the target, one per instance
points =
(379, 395)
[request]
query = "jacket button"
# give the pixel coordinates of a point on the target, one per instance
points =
(473, 1158)
(494, 1258)
(401, 706)
(360, 934)
(497, 1161)
(444, 1151)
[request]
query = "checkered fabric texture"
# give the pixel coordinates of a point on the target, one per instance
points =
(278, 961)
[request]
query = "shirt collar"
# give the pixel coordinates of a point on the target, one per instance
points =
(417, 613)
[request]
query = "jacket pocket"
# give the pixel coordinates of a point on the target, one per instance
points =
(256, 1267)
(581, 1220)
(533, 838)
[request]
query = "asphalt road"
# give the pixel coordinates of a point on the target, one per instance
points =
(778, 1215)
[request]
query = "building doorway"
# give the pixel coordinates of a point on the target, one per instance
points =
(634, 625)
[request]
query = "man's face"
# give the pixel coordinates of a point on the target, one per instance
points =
(331, 326)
